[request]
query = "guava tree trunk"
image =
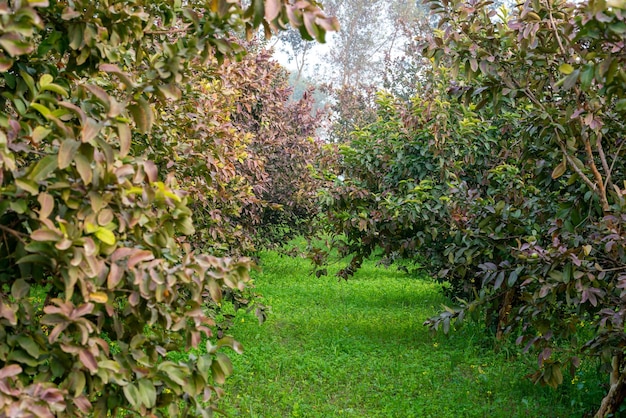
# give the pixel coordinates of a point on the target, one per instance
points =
(617, 391)
(504, 312)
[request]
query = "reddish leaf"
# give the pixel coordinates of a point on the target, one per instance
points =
(88, 360)
(10, 371)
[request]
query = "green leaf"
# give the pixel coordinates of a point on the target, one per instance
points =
(105, 236)
(18, 206)
(204, 366)
(30, 81)
(39, 134)
(174, 372)
(221, 368)
(27, 185)
(132, 395)
(45, 79)
(513, 277)
(29, 345)
(20, 356)
(499, 280)
(19, 289)
(586, 77)
(83, 166)
(147, 393)
(55, 88)
(77, 382)
(35, 259)
(568, 82)
(566, 68)
(618, 27)
(45, 112)
(43, 168)
(114, 366)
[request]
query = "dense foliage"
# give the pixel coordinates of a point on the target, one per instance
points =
(98, 283)
(504, 176)
(285, 141)
(243, 150)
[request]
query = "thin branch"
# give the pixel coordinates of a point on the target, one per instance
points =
(19, 235)
(605, 164)
(555, 29)
(168, 31)
(573, 166)
(614, 268)
(596, 174)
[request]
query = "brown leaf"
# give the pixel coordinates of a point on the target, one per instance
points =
(142, 115)
(124, 134)
(67, 151)
(90, 130)
(10, 371)
(151, 171)
(47, 205)
(100, 94)
(272, 9)
(138, 257)
(88, 360)
(114, 69)
(83, 404)
(43, 235)
(559, 170)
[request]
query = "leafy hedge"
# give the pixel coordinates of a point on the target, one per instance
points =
(504, 176)
(97, 282)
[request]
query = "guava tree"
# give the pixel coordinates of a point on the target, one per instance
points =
(504, 176)
(98, 285)
(560, 67)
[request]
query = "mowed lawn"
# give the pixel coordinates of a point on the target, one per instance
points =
(358, 348)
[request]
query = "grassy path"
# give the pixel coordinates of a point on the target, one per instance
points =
(358, 349)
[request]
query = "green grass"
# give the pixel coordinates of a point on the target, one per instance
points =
(358, 349)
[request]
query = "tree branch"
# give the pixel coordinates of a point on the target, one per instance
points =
(596, 174)
(168, 31)
(19, 235)
(555, 29)
(573, 166)
(603, 160)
